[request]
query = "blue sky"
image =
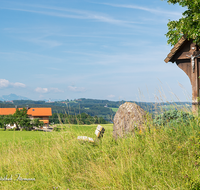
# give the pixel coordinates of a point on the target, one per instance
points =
(68, 49)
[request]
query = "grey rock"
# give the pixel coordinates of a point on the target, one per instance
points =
(128, 117)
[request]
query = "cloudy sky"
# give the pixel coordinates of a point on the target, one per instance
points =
(68, 49)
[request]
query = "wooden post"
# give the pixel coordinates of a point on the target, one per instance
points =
(195, 87)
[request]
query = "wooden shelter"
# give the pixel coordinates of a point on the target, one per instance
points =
(186, 55)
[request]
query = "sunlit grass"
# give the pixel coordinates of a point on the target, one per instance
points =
(114, 109)
(157, 159)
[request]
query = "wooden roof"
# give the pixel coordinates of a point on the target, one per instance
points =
(175, 49)
(31, 111)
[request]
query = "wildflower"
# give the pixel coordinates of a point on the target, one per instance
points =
(179, 147)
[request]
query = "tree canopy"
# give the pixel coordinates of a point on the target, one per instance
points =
(82, 118)
(188, 25)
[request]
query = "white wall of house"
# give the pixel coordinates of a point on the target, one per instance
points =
(9, 126)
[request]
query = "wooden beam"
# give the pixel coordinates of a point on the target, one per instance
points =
(195, 88)
(185, 55)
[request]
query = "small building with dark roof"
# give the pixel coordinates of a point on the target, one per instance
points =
(186, 55)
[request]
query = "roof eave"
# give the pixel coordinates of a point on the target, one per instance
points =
(173, 51)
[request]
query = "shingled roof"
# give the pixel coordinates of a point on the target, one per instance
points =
(175, 49)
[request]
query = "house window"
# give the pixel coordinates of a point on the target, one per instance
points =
(33, 109)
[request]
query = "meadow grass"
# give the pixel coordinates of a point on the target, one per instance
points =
(159, 158)
(114, 109)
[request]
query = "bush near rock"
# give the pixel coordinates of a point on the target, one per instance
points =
(129, 117)
(173, 117)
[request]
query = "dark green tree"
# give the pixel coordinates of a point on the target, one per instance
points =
(7, 119)
(95, 119)
(1, 121)
(37, 123)
(54, 118)
(21, 119)
(188, 25)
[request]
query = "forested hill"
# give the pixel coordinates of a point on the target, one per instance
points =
(93, 107)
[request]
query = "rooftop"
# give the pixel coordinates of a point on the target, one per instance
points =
(30, 112)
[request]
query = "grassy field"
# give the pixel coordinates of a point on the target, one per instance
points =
(114, 109)
(159, 158)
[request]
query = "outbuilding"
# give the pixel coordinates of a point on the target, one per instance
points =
(186, 55)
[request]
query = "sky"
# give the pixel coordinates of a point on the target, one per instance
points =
(70, 49)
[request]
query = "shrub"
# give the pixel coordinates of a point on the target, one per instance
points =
(56, 129)
(173, 117)
(11, 129)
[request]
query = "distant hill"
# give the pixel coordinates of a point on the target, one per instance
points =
(93, 107)
(12, 97)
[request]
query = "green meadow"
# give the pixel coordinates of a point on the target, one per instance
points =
(157, 158)
(114, 109)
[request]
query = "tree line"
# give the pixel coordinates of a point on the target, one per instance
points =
(92, 107)
(83, 118)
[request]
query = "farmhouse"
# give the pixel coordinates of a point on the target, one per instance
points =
(33, 113)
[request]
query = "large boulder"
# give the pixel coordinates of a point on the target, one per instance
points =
(129, 117)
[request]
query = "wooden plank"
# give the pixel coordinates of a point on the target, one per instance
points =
(185, 55)
(198, 61)
(186, 67)
(195, 89)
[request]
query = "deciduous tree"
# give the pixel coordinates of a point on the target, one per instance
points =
(188, 25)
(21, 119)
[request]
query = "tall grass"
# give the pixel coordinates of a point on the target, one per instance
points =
(160, 158)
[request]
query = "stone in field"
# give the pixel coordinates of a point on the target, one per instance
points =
(128, 117)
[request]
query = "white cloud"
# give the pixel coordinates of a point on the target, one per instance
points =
(41, 90)
(111, 96)
(77, 14)
(30, 57)
(154, 11)
(5, 84)
(18, 84)
(41, 42)
(76, 89)
(46, 90)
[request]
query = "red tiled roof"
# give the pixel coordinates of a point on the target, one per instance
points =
(31, 111)
(39, 112)
(7, 111)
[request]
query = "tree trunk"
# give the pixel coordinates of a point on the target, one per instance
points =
(17, 127)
